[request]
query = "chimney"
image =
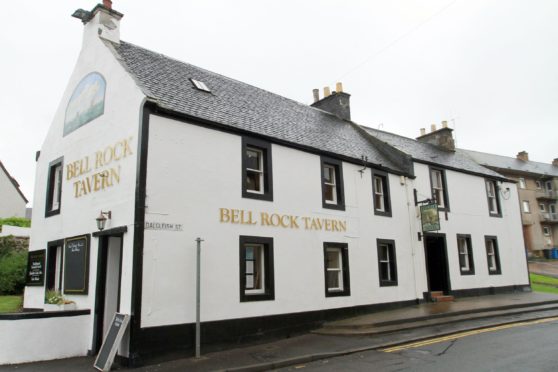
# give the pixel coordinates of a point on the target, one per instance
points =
(523, 156)
(102, 22)
(316, 93)
(442, 137)
(555, 162)
(336, 103)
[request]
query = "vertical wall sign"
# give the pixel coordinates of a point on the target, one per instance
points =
(430, 217)
(86, 103)
(36, 268)
(76, 265)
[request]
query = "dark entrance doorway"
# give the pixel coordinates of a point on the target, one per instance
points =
(437, 262)
(107, 295)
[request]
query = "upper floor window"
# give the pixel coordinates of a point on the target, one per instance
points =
(336, 269)
(256, 169)
(493, 200)
(538, 185)
(526, 206)
(546, 231)
(387, 263)
(54, 187)
(492, 255)
(380, 186)
(549, 185)
(439, 188)
(256, 269)
(542, 207)
(332, 184)
(522, 184)
(465, 251)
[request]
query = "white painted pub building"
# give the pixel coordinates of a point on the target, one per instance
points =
(305, 215)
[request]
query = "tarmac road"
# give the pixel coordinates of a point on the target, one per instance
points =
(528, 346)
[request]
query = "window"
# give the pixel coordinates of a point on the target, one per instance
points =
(54, 265)
(546, 231)
(54, 188)
(336, 269)
(439, 189)
(538, 185)
(256, 269)
(548, 185)
(380, 188)
(200, 85)
(492, 255)
(256, 169)
(332, 184)
(526, 206)
(522, 183)
(542, 207)
(493, 200)
(465, 251)
(387, 263)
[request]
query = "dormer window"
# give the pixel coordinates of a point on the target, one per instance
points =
(200, 85)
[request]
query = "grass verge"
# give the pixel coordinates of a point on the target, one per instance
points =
(10, 304)
(546, 284)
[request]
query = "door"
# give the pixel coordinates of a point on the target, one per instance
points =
(437, 263)
(107, 301)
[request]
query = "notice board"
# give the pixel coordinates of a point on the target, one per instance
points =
(36, 268)
(112, 340)
(76, 265)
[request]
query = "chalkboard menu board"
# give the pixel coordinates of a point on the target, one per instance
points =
(36, 268)
(76, 265)
(110, 343)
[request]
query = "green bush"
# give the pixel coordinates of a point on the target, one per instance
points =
(15, 221)
(9, 245)
(13, 267)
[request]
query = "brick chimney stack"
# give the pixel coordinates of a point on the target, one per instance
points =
(555, 162)
(442, 137)
(523, 156)
(102, 21)
(336, 102)
(107, 4)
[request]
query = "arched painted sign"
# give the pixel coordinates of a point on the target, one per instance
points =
(86, 103)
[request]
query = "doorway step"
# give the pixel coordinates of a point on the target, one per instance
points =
(439, 296)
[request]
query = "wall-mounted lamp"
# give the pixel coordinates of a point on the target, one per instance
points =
(102, 219)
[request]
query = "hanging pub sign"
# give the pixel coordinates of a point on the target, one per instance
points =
(76, 265)
(36, 268)
(430, 217)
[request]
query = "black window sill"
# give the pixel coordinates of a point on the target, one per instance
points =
(382, 213)
(339, 207)
(470, 272)
(52, 213)
(385, 283)
(344, 292)
(257, 297)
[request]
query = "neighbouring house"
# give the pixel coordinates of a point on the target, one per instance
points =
(12, 200)
(304, 215)
(537, 186)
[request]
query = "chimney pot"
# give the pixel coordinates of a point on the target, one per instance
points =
(422, 131)
(339, 87)
(523, 156)
(433, 128)
(327, 92)
(107, 4)
(444, 124)
(316, 93)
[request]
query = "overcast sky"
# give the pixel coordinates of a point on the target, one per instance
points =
(488, 67)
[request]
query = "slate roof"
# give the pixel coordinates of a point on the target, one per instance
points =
(246, 108)
(507, 163)
(431, 154)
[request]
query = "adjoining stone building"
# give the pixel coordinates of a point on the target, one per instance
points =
(538, 196)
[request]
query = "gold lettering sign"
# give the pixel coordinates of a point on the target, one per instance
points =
(244, 217)
(98, 172)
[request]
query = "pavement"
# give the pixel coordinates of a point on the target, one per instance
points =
(544, 267)
(367, 332)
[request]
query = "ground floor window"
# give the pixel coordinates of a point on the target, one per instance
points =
(465, 251)
(492, 255)
(387, 263)
(256, 269)
(336, 269)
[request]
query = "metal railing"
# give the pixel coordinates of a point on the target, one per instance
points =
(549, 217)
